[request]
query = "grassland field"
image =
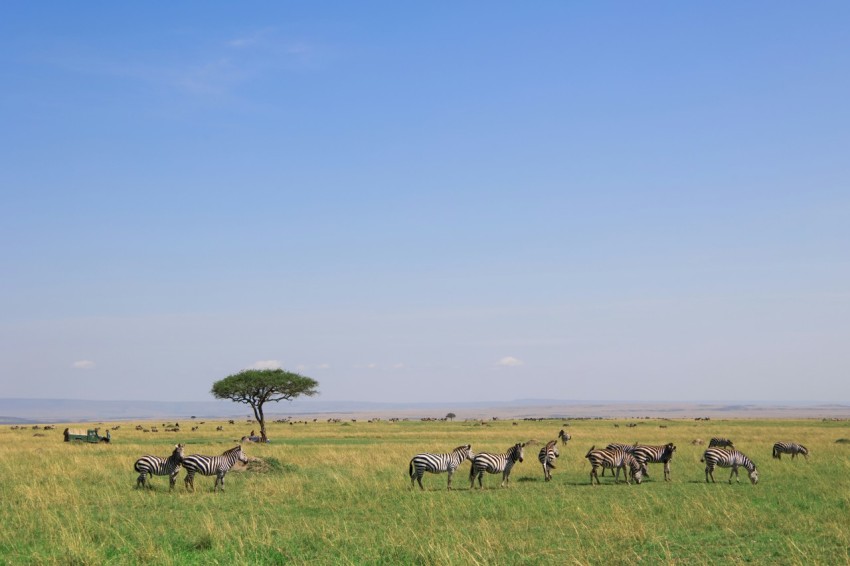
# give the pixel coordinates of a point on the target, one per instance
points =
(339, 493)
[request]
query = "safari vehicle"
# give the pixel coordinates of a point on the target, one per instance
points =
(86, 435)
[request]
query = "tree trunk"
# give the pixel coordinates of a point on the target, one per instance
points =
(258, 414)
(262, 420)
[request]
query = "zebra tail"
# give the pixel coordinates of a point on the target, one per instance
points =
(592, 448)
(410, 469)
(702, 459)
(775, 453)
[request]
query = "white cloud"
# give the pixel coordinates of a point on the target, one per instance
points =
(510, 361)
(323, 366)
(266, 364)
(398, 366)
(83, 364)
(373, 365)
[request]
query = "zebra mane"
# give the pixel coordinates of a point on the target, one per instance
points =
(232, 450)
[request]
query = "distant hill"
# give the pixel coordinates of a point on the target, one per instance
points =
(32, 411)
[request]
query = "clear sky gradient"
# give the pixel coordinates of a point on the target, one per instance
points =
(476, 201)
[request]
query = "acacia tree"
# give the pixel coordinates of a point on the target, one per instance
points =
(255, 387)
(451, 416)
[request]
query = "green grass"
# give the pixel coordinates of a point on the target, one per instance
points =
(340, 494)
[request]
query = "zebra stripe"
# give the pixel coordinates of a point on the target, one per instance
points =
(720, 443)
(438, 463)
(792, 448)
(613, 458)
(547, 457)
(728, 459)
(564, 437)
(495, 463)
(156, 466)
(646, 454)
(212, 465)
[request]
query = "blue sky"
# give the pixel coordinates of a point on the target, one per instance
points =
(443, 202)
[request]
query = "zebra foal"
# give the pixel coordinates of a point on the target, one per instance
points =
(614, 458)
(720, 443)
(438, 463)
(156, 466)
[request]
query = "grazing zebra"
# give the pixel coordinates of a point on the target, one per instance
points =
(792, 448)
(156, 466)
(212, 465)
(547, 457)
(720, 443)
(564, 437)
(628, 448)
(437, 463)
(655, 455)
(613, 458)
(728, 459)
(495, 463)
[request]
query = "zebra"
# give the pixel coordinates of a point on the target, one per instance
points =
(720, 443)
(656, 455)
(212, 465)
(628, 448)
(437, 463)
(547, 457)
(564, 437)
(156, 466)
(728, 459)
(614, 458)
(495, 463)
(792, 448)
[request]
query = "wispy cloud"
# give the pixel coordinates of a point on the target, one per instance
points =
(323, 366)
(266, 364)
(510, 361)
(83, 364)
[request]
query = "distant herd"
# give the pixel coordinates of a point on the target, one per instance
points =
(631, 459)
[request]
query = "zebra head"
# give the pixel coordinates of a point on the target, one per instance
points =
(803, 450)
(178, 452)
(241, 456)
(754, 476)
(636, 468)
(516, 452)
(465, 451)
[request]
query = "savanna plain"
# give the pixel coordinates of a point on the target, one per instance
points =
(339, 493)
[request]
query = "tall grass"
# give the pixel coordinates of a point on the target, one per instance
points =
(340, 494)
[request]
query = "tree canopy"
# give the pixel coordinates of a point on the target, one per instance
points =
(255, 387)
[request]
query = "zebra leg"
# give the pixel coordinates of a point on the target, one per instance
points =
(666, 471)
(189, 481)
(734, 473)
(709, 471)
(449, 485)
(594, 474)
(219, 479)
(173, 479)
